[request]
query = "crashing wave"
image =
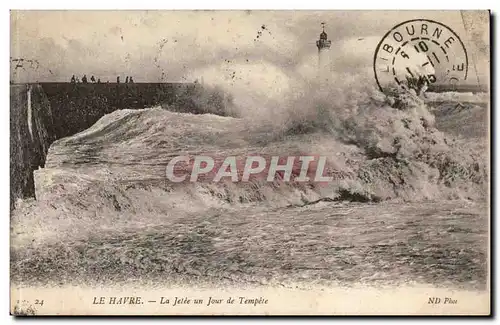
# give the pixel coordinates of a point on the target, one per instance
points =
(376, 151)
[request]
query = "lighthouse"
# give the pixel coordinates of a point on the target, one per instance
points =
(323, 45)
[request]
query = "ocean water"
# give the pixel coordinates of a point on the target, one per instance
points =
(408, 202)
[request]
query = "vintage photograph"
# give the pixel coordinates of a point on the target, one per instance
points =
(205, 162)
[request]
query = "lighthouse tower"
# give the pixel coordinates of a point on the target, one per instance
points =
(323, 45)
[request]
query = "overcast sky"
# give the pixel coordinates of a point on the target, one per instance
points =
(238, 48)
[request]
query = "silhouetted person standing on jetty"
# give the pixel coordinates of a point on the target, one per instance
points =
(118, 79)
(126, 80)
(99, 80)
(130, 80)
(92, 79)
(84, 79)
(73, 80)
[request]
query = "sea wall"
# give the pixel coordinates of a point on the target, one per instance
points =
(76, 107)
(42, 113)
(31, 120)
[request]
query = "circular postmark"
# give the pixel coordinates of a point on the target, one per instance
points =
(420, 48)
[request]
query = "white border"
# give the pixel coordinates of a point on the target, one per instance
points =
(257, 4)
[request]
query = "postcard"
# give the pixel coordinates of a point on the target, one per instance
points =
(250, 162)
